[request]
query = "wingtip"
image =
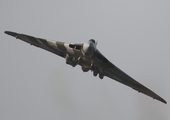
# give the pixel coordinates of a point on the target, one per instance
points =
(6, 32)
(10, 33)
(164, 101)
(161, 99)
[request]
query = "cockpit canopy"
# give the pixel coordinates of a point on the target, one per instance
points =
(93, 41)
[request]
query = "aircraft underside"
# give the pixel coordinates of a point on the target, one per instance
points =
(89, 58)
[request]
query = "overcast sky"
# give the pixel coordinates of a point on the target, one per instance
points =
(38, 85)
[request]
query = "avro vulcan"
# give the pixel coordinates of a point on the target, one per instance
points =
(89, 58)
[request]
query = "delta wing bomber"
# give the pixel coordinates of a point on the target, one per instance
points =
(89, 58)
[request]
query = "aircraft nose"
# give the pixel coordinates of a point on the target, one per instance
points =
(89, 47)
(92, 40)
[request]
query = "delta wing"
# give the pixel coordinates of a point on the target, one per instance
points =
(110, 70)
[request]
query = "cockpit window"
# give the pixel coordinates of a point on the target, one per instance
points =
(92, 40)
